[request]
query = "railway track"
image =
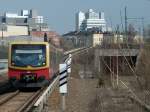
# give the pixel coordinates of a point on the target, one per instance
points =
(137, 95)
(18, 101)
(111, 100)
(122, 102)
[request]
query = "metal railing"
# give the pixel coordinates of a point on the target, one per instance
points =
(41, 102)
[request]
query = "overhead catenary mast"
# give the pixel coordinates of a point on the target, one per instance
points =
(126, 22)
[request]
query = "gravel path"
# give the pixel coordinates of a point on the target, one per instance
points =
(80, 94)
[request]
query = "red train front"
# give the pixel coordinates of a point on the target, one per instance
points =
(29, 64)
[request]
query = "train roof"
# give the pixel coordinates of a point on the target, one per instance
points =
(28, 42)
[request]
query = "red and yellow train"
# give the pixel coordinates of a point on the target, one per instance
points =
(32, 64)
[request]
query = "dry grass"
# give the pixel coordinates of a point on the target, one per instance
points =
(143, 67)
(83, 62)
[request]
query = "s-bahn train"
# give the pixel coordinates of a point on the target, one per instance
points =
(32, 64)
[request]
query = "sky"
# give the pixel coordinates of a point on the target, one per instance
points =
(60, 14)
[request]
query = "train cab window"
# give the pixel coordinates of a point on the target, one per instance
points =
(28, 55)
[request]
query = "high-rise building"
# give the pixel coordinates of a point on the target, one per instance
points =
(90, 21)
(24, 13)
(80, 17)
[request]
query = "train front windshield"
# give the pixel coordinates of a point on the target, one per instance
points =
(28, 55)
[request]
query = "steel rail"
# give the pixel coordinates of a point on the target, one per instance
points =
(28, 105)
(3, 101)
(74, 50)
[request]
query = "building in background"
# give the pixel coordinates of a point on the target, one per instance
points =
(9, 39)
(21, 24)
(53, 37)
(84, 39)
(80, 17)
(90, 21)
(27, 25)
(97, 39)
(11, 30)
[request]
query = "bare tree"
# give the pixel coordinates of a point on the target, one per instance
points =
(131, 33)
